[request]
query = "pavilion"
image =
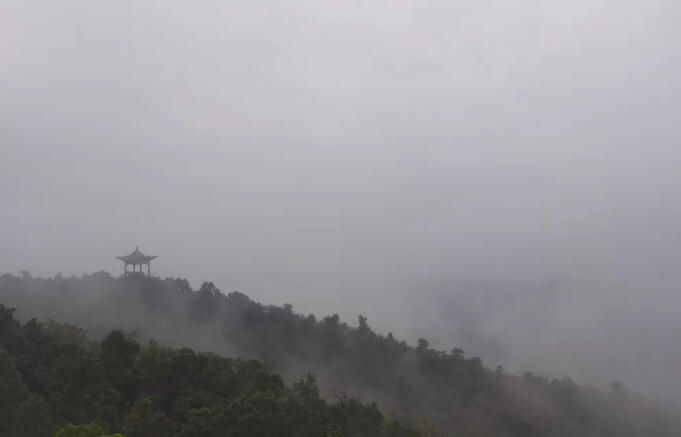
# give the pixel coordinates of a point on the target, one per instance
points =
(136, 258)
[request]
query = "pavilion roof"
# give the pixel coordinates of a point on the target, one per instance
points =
(136, 257)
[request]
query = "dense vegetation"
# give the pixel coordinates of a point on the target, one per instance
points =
(456, 394)
(50, 374)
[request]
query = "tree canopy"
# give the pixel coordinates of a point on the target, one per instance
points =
(48, 384)
(151, 390)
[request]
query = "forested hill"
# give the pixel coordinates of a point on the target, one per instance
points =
(52, 376)
(458, 395)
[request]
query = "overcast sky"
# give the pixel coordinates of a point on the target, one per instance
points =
(318, 151)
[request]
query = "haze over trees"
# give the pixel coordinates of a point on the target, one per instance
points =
(436, 208)
(51, 375)
(352, 366)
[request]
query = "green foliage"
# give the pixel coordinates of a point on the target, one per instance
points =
(56, 376)
(90, 430)
(13, 391)
(155, 391)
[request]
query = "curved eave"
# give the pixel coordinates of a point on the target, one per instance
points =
(129, 260)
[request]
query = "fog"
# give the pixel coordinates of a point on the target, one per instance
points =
(497, 174)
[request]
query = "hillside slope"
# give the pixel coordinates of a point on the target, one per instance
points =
(458, 395)
(50, 375)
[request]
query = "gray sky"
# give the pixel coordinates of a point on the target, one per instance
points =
(324, 152)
